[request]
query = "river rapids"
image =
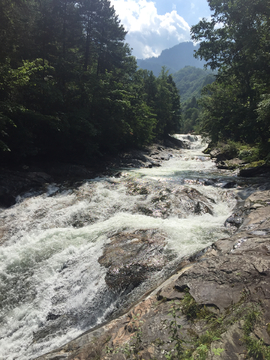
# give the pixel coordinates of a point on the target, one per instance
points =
(72, 259)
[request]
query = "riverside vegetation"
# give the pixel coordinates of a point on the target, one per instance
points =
(69, 87)
(236, 106)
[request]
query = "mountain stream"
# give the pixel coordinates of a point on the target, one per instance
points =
(72, 259)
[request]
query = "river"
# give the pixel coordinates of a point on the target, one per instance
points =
(65, 266)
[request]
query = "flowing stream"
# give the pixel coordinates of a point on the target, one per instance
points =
(64, 265)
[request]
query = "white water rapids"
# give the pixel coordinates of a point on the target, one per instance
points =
(52, 287)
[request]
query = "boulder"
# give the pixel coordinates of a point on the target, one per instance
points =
(131, 257)
(14, 183)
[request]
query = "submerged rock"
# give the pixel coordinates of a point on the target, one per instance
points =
(163, 202)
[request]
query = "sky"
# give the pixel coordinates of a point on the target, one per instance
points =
(157, 25)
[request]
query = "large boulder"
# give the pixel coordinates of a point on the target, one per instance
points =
(131, 257)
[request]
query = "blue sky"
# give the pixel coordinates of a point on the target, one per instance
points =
(157, 25)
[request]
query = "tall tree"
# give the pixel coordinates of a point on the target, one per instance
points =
(236, 42)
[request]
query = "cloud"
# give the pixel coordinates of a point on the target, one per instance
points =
(148, 32)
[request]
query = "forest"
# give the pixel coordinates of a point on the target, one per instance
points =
(236, 44)
(69, 87)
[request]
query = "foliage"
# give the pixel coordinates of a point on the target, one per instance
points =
(236, 43)
(198, 347)
(190, 81)
(174, 335)
(255, 348)
(191, 112)
(69, 86)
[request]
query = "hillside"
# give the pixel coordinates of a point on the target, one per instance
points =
(174, 59)
(190, 81)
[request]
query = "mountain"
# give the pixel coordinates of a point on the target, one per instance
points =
(190, 81)
(174, 59)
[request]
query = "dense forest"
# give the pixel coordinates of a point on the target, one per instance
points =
(69, 87)
(190, 81)
(236, 43)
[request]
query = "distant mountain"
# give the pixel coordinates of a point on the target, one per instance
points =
(174, 59)
(190, 81)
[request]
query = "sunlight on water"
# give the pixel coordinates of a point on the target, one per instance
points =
(52, 287)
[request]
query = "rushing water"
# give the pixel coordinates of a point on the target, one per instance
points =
(52, 287)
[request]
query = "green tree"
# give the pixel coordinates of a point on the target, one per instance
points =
(167, 105)
(236, 42)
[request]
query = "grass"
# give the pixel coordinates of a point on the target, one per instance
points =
(195, 342)
(256, 349)
(198, 347)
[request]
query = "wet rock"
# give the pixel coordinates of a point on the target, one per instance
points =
(254, 171)
(210, 182)
(173, 142)
(52, 316)
(230, 185)
(163, 202)
(14, 183)
(131, 257)
(234, 279)
(234, 220)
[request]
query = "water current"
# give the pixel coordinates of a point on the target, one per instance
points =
(52, 286)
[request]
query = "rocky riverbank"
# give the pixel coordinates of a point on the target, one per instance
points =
(217, 305)
(33, 177)
(230, 158)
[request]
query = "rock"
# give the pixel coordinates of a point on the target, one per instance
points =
(230, 185)
(231, 343)
(131, 257)
(118, 357)
(232, 276)
(173, 142)
(14, 183)
(254, 171)
(162, 202)
(234, 220)
(170, 292)
(210, 182)
(222, 153)
(231, 164)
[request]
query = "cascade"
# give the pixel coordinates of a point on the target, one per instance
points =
(73, 258)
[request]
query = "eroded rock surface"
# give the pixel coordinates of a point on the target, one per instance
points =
(131, 257)
(225, 292)
(161, 201)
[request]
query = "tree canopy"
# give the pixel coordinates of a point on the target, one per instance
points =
(236, 42)
(69, 87)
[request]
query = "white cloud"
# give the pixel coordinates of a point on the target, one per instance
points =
(148, 32)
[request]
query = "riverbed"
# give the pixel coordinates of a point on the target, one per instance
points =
(73, 258)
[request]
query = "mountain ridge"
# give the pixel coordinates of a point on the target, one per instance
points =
(174, 59)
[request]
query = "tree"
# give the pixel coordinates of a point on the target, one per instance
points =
(236, 42)
(167, 105)
(69, 86)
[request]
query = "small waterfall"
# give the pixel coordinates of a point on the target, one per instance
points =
(58, 273)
